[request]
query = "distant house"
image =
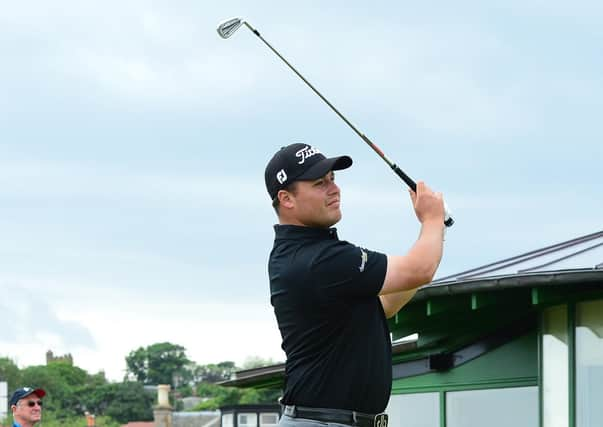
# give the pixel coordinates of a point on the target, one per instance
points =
(518, 342)
(139, 424)
(250, 415)
(165, 416)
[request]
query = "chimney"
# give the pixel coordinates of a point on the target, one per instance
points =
(162, 412)
(90, 419)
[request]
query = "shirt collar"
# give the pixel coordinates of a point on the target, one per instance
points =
(295, 232)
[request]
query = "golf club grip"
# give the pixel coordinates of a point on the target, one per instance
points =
(448, 221)
(408, 180)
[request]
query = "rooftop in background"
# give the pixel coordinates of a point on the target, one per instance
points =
(139, 424)
(585, 252)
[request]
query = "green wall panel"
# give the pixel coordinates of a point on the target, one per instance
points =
(512, 364)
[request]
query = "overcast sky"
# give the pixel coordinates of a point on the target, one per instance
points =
(133, 142)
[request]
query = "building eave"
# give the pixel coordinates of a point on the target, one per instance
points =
(585, 276)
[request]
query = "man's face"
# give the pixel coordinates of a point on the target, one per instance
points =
(317, 202)
(25, 413)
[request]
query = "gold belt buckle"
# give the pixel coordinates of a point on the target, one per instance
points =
(380, 420)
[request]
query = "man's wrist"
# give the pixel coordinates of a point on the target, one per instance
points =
(433, 222)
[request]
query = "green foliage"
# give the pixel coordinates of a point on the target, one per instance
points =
(213, 373)
(256, 362)
(161, 363)
(127, 401)
(251, 396)
(71, 391)
(267, 395)
(10, 373)
(60, 380)
(137, 364)
(218, 396)
(185, 391)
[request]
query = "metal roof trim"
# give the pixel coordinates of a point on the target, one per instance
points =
(533, 255)
(546, 278)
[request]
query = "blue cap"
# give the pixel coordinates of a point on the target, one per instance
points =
(22, 392)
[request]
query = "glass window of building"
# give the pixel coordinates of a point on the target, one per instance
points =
(227, 420)
(414, 410)
(589, 364)
(247, 419)
(555, 372)
(268, 419)
(504, 407)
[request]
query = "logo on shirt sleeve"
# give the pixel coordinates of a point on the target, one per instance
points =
(363, 260)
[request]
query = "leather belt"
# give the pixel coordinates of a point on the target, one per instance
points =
(340, 416)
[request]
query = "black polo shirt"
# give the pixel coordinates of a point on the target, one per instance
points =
(325, 297)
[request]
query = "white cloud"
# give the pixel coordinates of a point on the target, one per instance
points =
(99, 324)
(210, 332)
(33, 322)
(47, 179)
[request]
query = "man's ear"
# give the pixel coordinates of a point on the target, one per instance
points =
(285, 199)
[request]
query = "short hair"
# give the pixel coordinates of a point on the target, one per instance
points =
(291, 188)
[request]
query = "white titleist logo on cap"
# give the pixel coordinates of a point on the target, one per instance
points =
(281, 176)
(306, 152)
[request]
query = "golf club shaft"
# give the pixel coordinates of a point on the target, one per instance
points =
(448, 221)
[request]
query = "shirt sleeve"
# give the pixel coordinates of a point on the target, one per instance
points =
(347, 270)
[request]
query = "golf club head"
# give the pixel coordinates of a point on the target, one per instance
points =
(227, 28)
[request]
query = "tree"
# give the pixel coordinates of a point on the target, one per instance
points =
(65, 385)
(161, 363)
(217, 396)
(137, 364)
(213, 373)
(252, 362)
(10, 373)
(57, 390)
(123, 402)
(71, 391)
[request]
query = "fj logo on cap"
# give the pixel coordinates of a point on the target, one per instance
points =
(306, 152)
(281, 176)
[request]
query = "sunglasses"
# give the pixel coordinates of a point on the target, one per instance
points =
(32, 403)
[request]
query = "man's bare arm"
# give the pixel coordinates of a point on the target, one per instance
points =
(392, 303)
(407, 273)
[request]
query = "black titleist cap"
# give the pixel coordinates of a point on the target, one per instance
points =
(298, 162)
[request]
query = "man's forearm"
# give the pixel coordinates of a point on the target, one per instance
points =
(428, 249)
(392, 303)
(419, 265)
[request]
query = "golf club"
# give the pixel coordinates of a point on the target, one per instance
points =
(230, 26)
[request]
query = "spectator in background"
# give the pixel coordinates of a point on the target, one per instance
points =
(26, 406)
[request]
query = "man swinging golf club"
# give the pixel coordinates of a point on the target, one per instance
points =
(331, 298)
